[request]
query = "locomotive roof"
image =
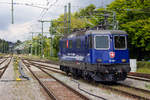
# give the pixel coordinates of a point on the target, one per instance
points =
(80, 33)
(105, 32)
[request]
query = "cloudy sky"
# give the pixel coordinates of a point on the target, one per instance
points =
(28, 12)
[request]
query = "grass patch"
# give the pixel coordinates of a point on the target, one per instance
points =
(16, 68)
(141, 64)
(143, 70)
(1, 54)
(39, 58)
(143, 67)
(147, 86)
(53, 58)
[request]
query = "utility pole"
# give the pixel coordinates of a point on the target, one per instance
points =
(36, 48)
(36, 51)
(12, 12)
(32, 45)
(42, 21)
(102, 4)
(3, 46)
(30, 50)
(69, 18)
(51, 44)
(114, 20)
(42, 51)
(65, 19)
(51, 31)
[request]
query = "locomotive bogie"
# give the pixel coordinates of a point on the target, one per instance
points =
(97, 72)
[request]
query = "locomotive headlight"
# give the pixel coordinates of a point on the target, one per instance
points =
(123, 60)
(99, 60)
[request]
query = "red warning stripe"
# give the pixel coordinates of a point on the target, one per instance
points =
(67, 44)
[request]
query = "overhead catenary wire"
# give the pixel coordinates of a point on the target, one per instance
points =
(25, 4)
(44, 9)
(50, 5)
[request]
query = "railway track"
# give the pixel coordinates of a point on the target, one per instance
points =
(3, 61)
(131, 75)
(54, 86)
(139, 75)
(123, 89)
(43, 61)
(3, 69)
(138, 78)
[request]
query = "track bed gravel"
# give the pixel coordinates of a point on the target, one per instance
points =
(11, 89)
(60, 91)
(128, 81)
(136, 83)
(89, 88)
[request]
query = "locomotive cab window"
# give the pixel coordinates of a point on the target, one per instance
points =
(101, 42)
(86, 42)
(120, 42)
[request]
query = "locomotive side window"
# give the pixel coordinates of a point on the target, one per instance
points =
(86, 42)
(120, 42)
(64, 44)
(70, 43)
(78, 43)
(101, 42)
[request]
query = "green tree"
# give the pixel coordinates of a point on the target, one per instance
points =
(134, 18)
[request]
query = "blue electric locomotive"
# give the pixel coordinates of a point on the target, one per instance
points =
(101, 55)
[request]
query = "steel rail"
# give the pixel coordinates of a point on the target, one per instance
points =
(124, 93)
(48, 91)
(65, 74)
(3, 61)
(48, 68)
(138, 78)
(48, 62)
(64, 84)
(5, 67)
(105, 86)
(44, 65)
(131, 76)
(139, 75)
(138, 89)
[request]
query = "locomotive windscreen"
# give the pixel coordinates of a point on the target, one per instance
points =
(120, 42)
(101, 42)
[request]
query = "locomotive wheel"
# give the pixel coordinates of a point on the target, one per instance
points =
(87, 76)
(75, 76)
(74, 73)
(67, 73)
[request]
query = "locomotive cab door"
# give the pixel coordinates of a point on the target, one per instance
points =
(88, 46)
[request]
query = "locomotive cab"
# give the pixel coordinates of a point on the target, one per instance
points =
(109, 53)
(110, 49)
